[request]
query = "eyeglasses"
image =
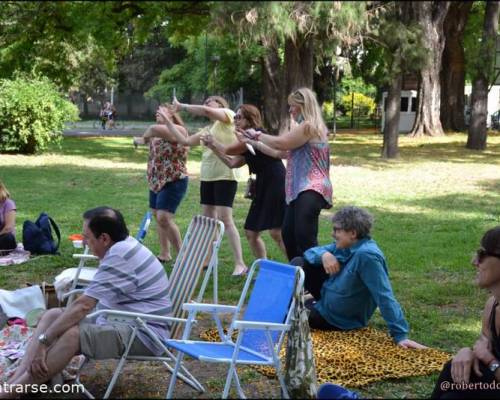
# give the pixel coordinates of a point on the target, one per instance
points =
(238, 116)
(337, 228)
(482, 253)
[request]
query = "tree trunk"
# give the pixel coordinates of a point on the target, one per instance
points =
(298, 71)
(392, 115)
(430, 15)
(453, 70)
(479, 98)
(271, 89)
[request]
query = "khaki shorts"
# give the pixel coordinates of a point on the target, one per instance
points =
(101, 342)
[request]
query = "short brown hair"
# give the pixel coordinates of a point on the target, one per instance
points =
(251, 114)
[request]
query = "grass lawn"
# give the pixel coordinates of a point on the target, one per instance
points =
(431, 207)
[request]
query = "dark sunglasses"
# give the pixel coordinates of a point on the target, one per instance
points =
(482, 253)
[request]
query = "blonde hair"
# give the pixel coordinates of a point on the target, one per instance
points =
(309, 107)
(218, 99)
(4, 193)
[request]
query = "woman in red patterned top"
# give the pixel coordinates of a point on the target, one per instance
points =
(168, 181)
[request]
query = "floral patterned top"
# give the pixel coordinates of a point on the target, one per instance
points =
(308, 168)
(166, 163)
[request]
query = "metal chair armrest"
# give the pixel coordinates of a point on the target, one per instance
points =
(238, 324)
(209, 308)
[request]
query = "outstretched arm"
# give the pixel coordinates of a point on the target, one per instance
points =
(171, 132)
(215, 114)
(296, 137)
(221, 151)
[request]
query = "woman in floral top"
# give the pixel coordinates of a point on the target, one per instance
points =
(168, 181)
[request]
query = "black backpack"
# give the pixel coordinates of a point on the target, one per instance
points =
(37, 236)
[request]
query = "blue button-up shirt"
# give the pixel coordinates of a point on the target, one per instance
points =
(349, 298)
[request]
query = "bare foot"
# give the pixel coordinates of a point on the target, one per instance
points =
(240, 270)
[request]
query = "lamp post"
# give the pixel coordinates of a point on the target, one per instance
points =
(206, 65)
(215, 59)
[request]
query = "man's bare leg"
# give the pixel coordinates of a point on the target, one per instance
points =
(47, 319)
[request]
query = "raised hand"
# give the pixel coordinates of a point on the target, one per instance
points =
(176, 105)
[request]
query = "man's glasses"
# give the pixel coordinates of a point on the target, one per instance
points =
(482, 253)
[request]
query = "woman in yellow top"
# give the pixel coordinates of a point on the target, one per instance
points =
(218, 182)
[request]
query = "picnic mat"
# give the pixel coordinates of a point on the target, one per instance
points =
(18, 256)
(359, 357)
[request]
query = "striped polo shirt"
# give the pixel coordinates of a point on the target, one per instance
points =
(130, 278)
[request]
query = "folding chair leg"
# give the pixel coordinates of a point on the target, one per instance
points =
(173, 379)
(186, 377)
(229, 380)
(120, 365)
(238, 386)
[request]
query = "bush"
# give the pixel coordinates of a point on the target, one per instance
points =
(32, 114)
(363, 105)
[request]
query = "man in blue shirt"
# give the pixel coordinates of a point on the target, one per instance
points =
(348, 280)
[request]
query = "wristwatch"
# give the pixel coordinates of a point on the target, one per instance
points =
(494, 365)
(42, 338)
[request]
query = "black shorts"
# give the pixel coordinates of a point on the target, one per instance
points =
(218, 193)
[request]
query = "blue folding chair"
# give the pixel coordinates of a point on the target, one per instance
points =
(261, 328)
(143, 228)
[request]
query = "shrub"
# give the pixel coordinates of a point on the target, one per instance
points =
(363, 105)
(32, 114)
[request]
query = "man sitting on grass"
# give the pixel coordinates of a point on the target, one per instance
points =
(129, 278)
(348, 280)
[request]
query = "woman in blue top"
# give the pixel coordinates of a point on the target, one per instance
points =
(349, 280)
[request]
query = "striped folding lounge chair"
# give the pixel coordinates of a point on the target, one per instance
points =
(200, 245)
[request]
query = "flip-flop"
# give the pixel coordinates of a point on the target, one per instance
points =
(242, 273)
(163, 261)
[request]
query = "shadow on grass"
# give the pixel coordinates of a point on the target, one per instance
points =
(364, 150)
(119, 149)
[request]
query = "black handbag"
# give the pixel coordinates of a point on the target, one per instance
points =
(250, 190)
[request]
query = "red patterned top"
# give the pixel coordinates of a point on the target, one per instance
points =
(166, 163)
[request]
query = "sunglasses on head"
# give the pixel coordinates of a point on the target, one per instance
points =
(482, 253)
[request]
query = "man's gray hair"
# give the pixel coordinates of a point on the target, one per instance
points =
(354, 219)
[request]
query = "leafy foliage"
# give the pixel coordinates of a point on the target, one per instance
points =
(358, 103)
(32, 114)
(201, 72)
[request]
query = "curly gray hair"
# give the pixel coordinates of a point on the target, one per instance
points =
(354, 219)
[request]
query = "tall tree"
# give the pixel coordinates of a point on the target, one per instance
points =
(453, 71)
(482, 78)
(430, 15)
(302, 34)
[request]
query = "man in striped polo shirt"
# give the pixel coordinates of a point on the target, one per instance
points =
(129, 278)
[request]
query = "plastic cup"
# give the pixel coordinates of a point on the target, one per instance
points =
(78, 244)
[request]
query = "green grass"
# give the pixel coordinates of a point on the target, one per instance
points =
(431, 207)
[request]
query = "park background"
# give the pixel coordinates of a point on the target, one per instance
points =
(433, 191)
